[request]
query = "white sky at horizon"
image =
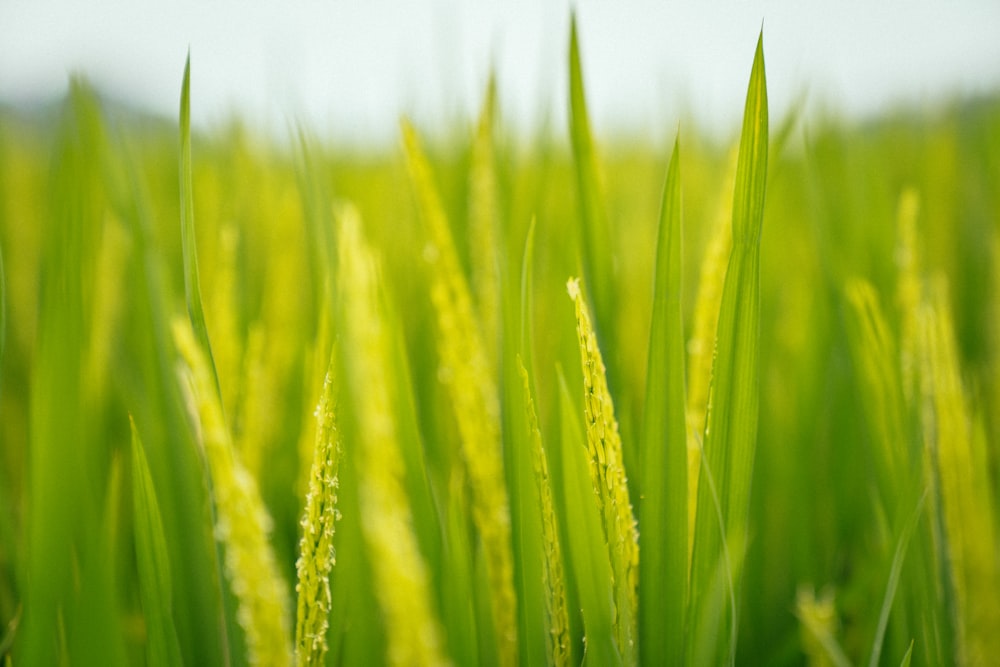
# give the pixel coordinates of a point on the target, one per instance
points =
(348, 70)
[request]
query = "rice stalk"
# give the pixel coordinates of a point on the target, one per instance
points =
(965, 500)
(553, 577)
(316, 550)
(607, 473)
(473, 392)
(818, 627)
(227, 342)
(909, 287)
(402, 583)
(243, 524)
(587, 546)
(484, 228)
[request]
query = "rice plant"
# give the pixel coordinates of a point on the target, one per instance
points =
(263, 404)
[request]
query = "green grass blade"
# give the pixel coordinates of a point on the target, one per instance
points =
(153, 562)
(3, 310)
(902, 544)
(596, 238)
(588, 555)
(663, 520)
(907, 657)
(731, 428)
(192, 284)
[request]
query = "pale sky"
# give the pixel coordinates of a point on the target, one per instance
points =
(347, 69)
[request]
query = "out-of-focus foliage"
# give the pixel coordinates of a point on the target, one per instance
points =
(463, 474)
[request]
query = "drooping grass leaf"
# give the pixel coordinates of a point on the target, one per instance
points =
(663, 512)
(731, 427)
(153, 562)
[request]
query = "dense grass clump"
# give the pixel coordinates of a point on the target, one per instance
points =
(266, 405)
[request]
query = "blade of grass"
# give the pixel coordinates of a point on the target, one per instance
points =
(596, 238)
(155, 586)
(701, 348)
(663, 513)
(895, 569)
(192, 284)
(731, 428)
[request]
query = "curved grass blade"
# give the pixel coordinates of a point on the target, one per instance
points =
(596, 238)
(663, 512)
(192, 284)
(705, 324)
(153, 562)
(3, 310)
(731, 427)
(588, 555)
(902, 544)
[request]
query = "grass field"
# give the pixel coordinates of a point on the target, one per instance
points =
(497, 402)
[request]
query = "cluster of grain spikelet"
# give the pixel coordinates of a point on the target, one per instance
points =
(316, 551)
(243, 523)
(608, 477)
(954, 444)
(474, 396)
(402, 583)
(553, 580)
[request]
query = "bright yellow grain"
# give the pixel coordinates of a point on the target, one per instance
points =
(465, 368)
(554, 582)
(243, 523)
(608, 477)
(316, 551)
(402, 584)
